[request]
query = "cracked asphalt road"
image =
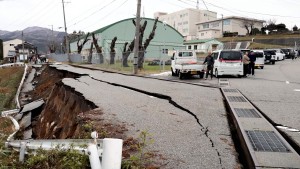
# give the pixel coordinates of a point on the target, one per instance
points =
(187, 122)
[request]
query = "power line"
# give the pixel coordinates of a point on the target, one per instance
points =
(109, 13)
(92, 13)
(38, 15)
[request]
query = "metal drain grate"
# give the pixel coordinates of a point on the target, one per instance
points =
(236, 99)
(223, 80)
(266, 141)
(224, 83)
(247, 113)
(230, 90)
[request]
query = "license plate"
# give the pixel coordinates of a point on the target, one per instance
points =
(193, 72)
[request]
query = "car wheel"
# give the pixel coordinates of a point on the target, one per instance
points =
(173, 74)
(262, 67)
(180, 75)
(201, 75)
(273, 62)
(216, 73)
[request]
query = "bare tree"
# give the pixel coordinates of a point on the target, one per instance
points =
(126, 53)
(80, 46)
(142, 48)
(52, 48)
(112, 50)
(146, 44)
(90, 53)
(98, 48)
(248, 25)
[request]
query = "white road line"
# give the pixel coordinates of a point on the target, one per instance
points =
(297, 90)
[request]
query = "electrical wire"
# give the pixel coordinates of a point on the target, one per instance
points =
(109, 13)
(92, 13)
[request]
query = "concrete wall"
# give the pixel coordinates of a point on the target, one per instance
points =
(76, 58)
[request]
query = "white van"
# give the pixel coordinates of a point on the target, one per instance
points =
(260, 58)
(228, 62)
(279, 54)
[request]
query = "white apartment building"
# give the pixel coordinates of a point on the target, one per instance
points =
(213, 28)
(184, 20)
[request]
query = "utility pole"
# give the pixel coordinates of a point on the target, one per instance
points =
(197, 7)
(67, 37)
(137, 37)
(23, 48)
(52, 39)
(222, 26)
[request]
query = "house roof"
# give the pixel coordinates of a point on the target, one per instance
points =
(109, 26)
(232, 17)
(197, 41)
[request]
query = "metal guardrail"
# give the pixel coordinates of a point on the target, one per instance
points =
(109, 149)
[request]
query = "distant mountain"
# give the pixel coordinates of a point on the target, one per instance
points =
(38, 36)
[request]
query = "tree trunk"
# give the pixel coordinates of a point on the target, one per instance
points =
(79, 47)
(126, 53)
(90, 54)
(141, 59)
(146, 44)
(112, 50)
(98, 48)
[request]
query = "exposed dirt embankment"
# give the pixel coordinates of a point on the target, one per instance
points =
(59, 117)
(66, 113)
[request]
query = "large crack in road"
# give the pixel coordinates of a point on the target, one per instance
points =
(204, 129)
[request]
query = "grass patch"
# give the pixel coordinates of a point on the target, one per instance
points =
(9, 82)
(148, 69)
(265, 46)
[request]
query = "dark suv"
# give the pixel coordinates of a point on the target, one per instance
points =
(289, 53)
(270, 56)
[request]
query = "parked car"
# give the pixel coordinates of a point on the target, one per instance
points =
(289, 52)
(168, 62)
(260, 58)
(270, 56)
(228, 62)
(280, 55)
(154, 62)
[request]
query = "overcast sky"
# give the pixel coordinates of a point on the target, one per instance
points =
(90, 15)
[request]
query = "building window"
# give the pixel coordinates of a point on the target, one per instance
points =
(189, 47)
(202, 34)
(165, 51)
(226, 22)
(185, 30)
(205, 14)
(205, 26)
(215, 24)
(195, 47)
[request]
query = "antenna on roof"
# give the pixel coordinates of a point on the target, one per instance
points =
(197, 4)
(143, 12)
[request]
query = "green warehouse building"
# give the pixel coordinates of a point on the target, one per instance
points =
(166, 39)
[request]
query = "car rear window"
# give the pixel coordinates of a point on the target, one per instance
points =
(231, 55)
(185, 54)
(258, 54)
(269, 52)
